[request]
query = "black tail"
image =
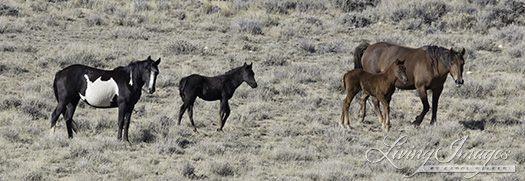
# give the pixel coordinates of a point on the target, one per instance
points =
(55, 85)
(182, 85)
(55, 90)
(358, 54)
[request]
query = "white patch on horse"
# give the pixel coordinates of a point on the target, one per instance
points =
(100, 93)
(130, 78)
(151, 79)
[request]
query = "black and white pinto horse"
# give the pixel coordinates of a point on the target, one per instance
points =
(220, 87)
(120, 87)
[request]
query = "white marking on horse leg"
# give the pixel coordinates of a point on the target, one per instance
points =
(52, 131)
(130, 78)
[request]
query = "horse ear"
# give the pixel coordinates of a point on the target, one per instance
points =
(463, 52)
(149, 58)
(157, 62)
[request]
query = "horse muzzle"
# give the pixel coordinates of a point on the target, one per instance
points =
(405, 80)
(459, 82)
(150, 90)
(253, 85)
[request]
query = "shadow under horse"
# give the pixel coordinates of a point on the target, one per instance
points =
(219, 87)
(427, 68)
(120, 87)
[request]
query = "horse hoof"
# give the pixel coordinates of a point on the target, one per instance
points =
(128, 144)
(52, 132)
(386, 128)
(348, 127)
(418, 121)
(342, 125)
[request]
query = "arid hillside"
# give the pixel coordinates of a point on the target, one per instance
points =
(286, 128)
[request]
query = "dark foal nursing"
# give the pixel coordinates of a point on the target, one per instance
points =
(219, 87)
(381, 86)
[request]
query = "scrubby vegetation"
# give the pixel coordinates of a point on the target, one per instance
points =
(286, 129)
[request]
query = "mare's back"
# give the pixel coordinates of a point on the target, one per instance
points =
(380, 56)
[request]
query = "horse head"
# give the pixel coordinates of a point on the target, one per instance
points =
(401, 71)
(248, 75)
(456, 66)
(149, 72)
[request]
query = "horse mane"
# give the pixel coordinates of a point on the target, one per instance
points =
(233, 70)
(132, 67)
(136, 63)
(437, 53)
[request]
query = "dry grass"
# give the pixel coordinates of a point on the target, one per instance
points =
(286, 129)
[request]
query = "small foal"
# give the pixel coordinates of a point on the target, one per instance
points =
(381, 86)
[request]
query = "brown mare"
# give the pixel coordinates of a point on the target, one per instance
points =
(426, 67)
(381, 86)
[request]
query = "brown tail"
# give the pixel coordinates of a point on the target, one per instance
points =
(343, 82)
(358, 54)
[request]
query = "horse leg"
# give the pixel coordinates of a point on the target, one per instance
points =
(386, 110)
(127, 120)
(181, 112)
(121, 117)
(375, 101)
(56, 113)
(423, 96)
(224, 113)
(435, 100)
(362, 111)
(187, 102)
(344, 115)
(68, 116)
(190, 114)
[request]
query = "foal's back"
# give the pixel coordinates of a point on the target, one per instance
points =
(207, 88)
(374, 83)
(351, 79)
(356, 77)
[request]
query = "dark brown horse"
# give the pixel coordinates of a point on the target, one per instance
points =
(426, 67)
(381, 86)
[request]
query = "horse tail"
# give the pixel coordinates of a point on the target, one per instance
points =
(182, 85)
(55, 89)
(358, 54)
(343, 82)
